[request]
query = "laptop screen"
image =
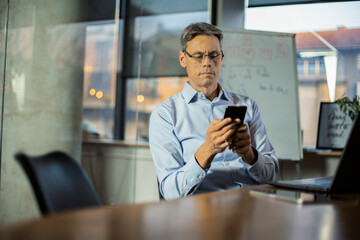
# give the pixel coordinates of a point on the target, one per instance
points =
(347, 177)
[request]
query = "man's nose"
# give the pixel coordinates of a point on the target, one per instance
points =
(206, 60)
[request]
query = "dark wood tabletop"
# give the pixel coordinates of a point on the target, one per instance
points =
(232, 214)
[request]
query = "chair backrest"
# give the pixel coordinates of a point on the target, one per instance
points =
(59, 182)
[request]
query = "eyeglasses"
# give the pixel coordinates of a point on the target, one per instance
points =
(199, 57)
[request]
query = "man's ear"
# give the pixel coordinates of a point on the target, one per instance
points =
(182, 59)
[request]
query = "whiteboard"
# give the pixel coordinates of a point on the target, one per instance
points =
(262, 65)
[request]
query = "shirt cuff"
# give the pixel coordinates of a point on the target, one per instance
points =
(195, 174)
(257, 168)
(258, 165)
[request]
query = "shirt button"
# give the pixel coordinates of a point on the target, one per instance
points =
(200, 177)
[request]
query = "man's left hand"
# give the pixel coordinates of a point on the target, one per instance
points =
(241, 144)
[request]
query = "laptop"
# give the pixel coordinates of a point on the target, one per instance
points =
(347, 176)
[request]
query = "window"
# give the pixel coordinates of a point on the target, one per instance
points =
(159, 69)
(116, 103)
(143, 95)
(325, 37)
(100, 71)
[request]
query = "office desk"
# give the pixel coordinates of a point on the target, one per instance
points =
(233, 214)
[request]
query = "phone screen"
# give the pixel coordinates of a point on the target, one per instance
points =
(236, 112)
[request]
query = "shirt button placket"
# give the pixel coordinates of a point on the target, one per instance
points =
(211, 109)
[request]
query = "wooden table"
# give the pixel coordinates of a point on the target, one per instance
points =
(233, 214)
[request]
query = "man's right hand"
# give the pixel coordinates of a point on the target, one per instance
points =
(218, 137)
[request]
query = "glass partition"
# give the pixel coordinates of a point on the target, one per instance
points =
(42, 47)
(73, 74)
(154, 75)
(4, 17)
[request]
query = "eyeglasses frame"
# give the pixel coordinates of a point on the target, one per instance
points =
(204, 55)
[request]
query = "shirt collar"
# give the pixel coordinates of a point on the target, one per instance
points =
(190, 93)
(223, 94)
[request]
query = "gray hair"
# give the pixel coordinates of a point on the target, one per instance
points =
(196, 29)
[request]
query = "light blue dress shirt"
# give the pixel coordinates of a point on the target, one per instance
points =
(178, 128)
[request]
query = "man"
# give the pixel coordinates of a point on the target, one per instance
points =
(194, 149)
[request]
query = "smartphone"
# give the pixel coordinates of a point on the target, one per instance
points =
(236, 112)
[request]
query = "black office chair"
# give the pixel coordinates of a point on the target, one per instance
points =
(59, 183)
